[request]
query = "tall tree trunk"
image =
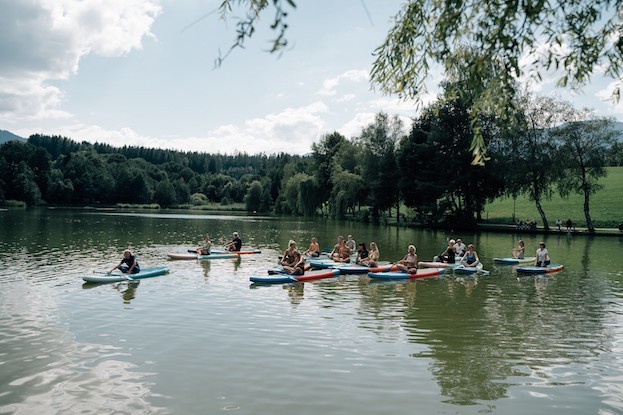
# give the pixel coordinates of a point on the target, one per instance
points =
(587, 213)
(542, 213)
(398, 212)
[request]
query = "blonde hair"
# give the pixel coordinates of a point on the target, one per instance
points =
(412, 246)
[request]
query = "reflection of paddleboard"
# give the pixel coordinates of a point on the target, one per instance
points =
(119, 276)
(514, 261)
(422, 273)
(280, 279)
(533, 269)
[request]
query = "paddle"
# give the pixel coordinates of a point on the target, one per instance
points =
(127, 277)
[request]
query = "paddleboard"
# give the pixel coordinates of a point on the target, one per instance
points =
(462, 269)
(325, 263)
(423, 273)
(533, 269)
(437, 264)
(119, 276)
(280, 279)
(189, 256)
(362, 269)
(514, 261)
(274, 271)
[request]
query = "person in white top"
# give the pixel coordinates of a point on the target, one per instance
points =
(459, 247)
(350, 243)
(409, 262)
(542, 256)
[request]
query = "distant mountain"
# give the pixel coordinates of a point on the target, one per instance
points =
(8, 136)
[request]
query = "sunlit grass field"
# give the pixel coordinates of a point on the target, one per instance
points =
(606, 206)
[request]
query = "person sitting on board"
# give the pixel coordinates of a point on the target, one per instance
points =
(362, 253)
(459, 247)
(520, 251)
(314, 248)
(291, 259)
(128, 265)
(449, 255)
(408, 263)
(298, 268)
(235, 244)
(542, 256)
(205, 246)
(373, 256)
(470, 259)
(343, 253)
(336, 247)
(350, 243)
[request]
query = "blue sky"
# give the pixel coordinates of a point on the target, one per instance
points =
(141, 72)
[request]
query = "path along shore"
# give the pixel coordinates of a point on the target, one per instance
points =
(553, 230)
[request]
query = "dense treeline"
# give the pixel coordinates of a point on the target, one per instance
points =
(548, 146)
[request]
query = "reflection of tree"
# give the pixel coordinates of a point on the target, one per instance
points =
(586, 258)
(446, 316)
(478, 336)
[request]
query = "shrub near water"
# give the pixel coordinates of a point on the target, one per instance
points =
(605, 206)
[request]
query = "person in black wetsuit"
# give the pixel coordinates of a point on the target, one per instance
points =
(235, 244)
(128, 265)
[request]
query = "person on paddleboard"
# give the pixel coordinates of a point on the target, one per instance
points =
(520, 251)
(204, 246)
(409, 262)
(235, 244)
(350, 243)
(470, 259)
(449, 255)
(340, 252)
(542, 256)
(128, 265)
(459, 247)
(362, 254)
(314, 248)
(292, 261)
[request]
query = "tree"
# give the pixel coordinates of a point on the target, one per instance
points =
(575, 37)
(324, 153)
(253, 197)
(380, 172)
(535, 151)
(164, 194)
(585, 145)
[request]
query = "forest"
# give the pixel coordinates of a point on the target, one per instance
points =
(541, 147)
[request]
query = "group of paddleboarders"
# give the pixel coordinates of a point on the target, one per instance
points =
(129, 264)
(457, 249)
(542, 254)
(205, 246)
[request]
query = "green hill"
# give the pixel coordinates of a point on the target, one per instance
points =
(605, 207)
(8, 136)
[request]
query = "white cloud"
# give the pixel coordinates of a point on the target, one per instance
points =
(353, 76)
(44, 40)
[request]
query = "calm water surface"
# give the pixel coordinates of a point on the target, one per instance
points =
(203, 340)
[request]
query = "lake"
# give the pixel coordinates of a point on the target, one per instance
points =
(204, 340)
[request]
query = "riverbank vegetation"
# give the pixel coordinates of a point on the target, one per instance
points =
(551, 157)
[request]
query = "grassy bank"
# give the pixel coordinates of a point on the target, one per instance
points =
(605, 207)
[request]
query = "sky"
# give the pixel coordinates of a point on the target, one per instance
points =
(142, 73)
